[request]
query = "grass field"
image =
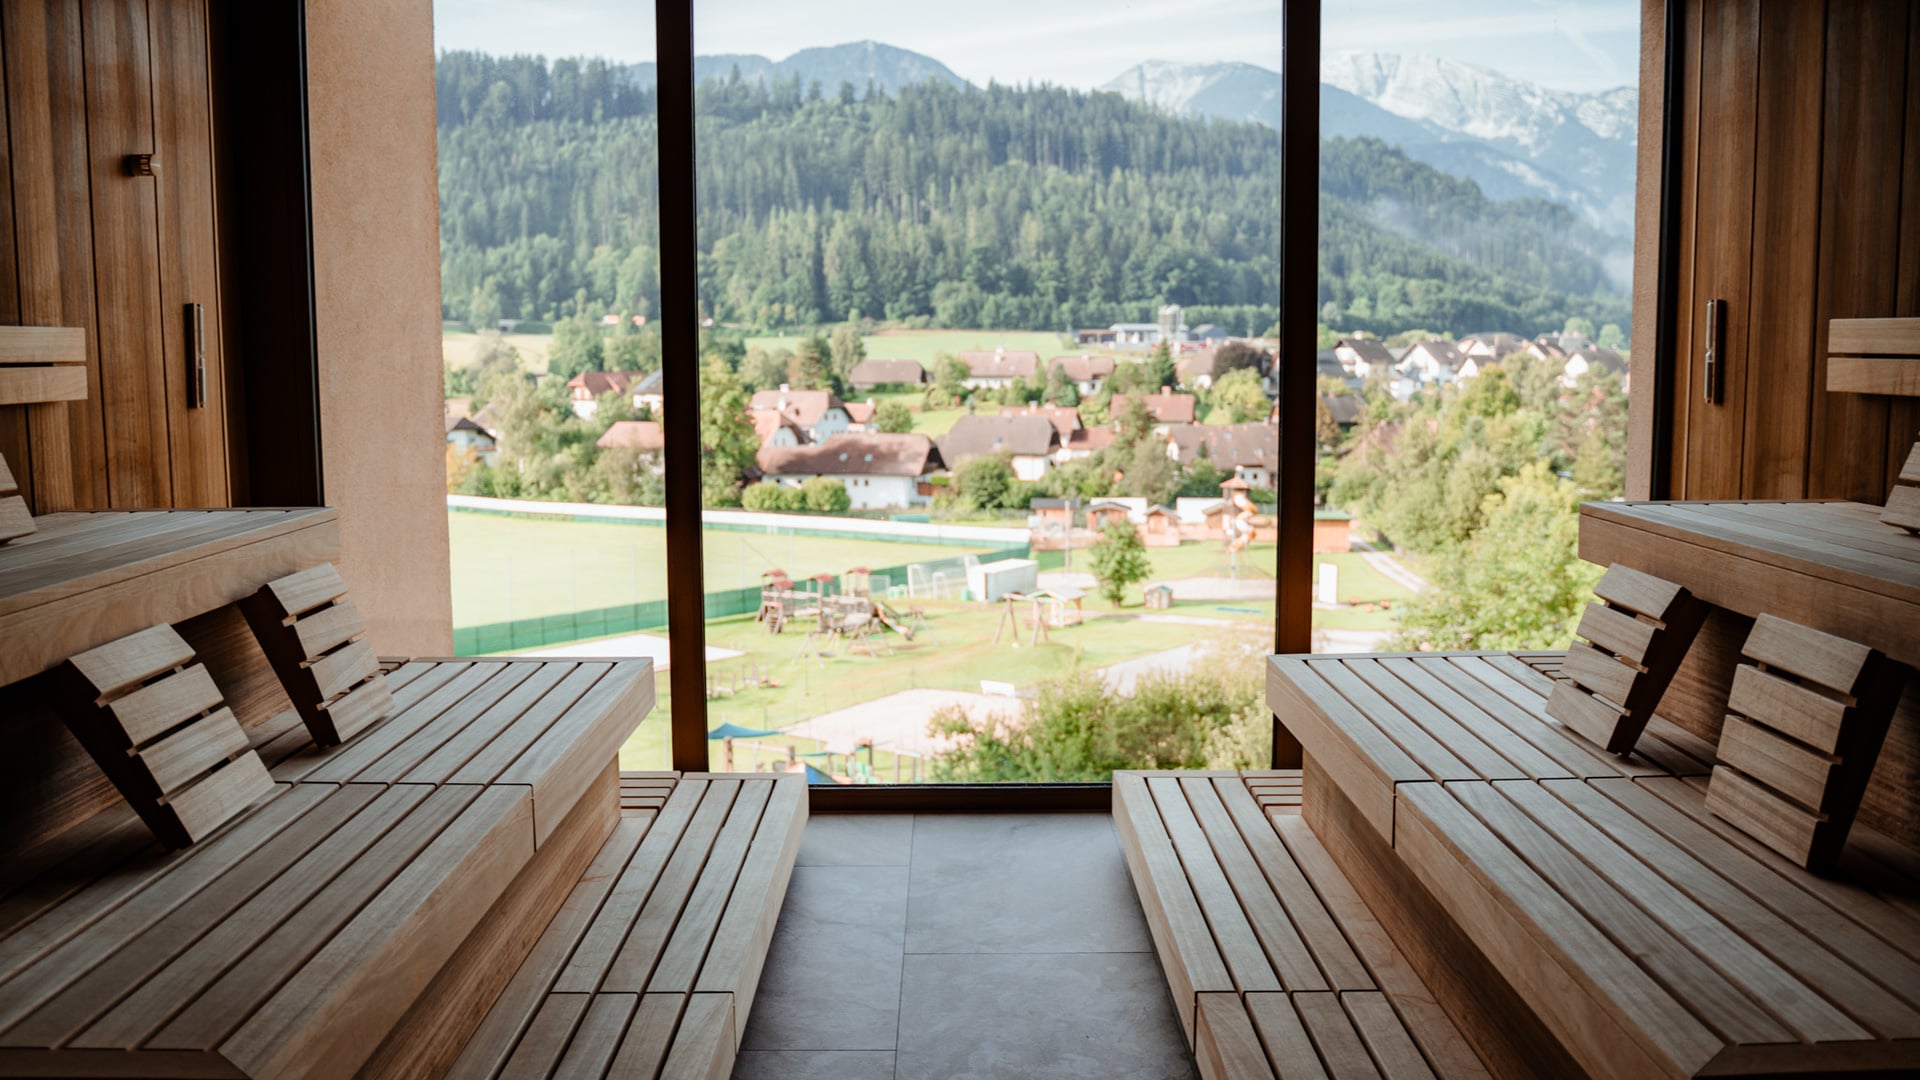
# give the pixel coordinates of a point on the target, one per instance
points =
(520, 568)
(923, 345)
(456, 347)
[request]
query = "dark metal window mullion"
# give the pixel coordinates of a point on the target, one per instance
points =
(680, 394)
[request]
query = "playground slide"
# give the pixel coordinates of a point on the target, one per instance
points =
(891, 619)
(1242, 522)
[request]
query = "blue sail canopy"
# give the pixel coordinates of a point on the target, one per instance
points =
(735, 731)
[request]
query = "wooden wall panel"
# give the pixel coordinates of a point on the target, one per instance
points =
(1903, 414)
(126, 242)
(46, 108)
(1680, 374)
(189, 270)
(1723, 218)
(1862, 154)
(1786, 239)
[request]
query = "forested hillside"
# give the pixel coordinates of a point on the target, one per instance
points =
(1034, 208)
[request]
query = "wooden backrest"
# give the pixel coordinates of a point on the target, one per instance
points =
(313, 636)
(39, 364)
(157, 726)
(1805, 720)
(1636, 632)
(16, 520)
(1903, 502)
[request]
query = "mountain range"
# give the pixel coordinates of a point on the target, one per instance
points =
(1511, 137)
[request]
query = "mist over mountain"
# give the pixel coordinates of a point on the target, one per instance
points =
(1510, 137)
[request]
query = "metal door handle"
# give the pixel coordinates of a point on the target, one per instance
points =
(1716, 318)
(196, 356)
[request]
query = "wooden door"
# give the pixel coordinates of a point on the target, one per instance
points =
(97, 243)
(1798, 201)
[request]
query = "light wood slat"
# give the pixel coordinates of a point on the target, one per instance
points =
(683, 953)
(1225, 1044)
(297, 594)
(1337, 959)
(1622, 1023)
(414, 708)
(209, 804)
(461, 745)
(491, 761)
(1692, 524)
(1187, 952)
(15, 519)
(359, 708)
(43, 345)
(332, 625)
(597, 1038)
(1820, 961)
(1806, 715)
(8, 486)
(1645, 594)
(740, 945)
(1793, 770)
(518, 1003)
(315, 1023)
(1810, 1016)
(1287, 1043)
(475, 707)
(186, 753)
(1874, 337)
(1903, 505)
(97, 943)
(1333, 1035)
(631, 967)
(1425, 1019)
(703, 1045)
(546, 1039)
(1463, 743)
(1703, 992)
(1229, 919)
(192, 966)
(62, 871)
(338, 671)
(41, 385)
(1840, 524)
(1281, 940)
(152, 710)
(1474, 680)
(1898, 376)
(1595, 719)
(1825, 659)
(608, 928)
(1616, 631)
(1599, 673)
(1910, 469)
(1786, 828)
(1427, 679)
(114, 668)
(650, 1035)
(1359, 774)
(1393, 1051)
(582, 740)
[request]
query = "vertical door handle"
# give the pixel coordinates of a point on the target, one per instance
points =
(196, 356)
(1716, 325)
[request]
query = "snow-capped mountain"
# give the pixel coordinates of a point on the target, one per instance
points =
(1511, 137)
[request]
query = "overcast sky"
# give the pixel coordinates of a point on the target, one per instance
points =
(1577, 45)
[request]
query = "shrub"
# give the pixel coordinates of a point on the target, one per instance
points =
(825, 495)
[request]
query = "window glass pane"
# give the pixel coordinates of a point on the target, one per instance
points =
(550, 296)
(1477, 196)
(990, 313)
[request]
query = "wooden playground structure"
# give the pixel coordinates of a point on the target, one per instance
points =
(1057, 606)
(852, 619)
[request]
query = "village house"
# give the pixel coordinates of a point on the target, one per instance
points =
(649, 394)
(1064, 418)
(1249, 451)
(992, 370)
(775, 428)
(1028, 441)
(817, 412)
(1346, 409)
(1361, 357)
(1164, 408)
(1432, 362)
(1083, 442)
(860, 415)
(1491, 346)
(585, 390)
(1209, 334)
(1595, 359)
(1086, 373)
(880, 472)
(1101, 336)
(466, 433)
(867, 375)
(645, 436)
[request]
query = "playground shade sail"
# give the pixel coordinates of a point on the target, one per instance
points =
(735, 731)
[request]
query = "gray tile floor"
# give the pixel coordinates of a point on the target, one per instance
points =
(947, 946)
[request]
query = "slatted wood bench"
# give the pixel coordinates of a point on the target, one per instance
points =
(1594, 898)
(1275, 964)
(291, 940)
(650, 966)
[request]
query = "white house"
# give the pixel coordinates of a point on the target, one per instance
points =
(649, 394)
(1596, 359)
(1030, 442)
(1249, 451)
(818, 412)
(1435, 361)
(646, 436)
(585, 390)
(1086, 373)
(464, 432)
(1363, 357)
(999, 367)
(880, 472)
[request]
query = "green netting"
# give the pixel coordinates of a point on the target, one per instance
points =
(538, 633)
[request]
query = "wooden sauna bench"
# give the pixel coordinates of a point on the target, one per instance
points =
(1569, 906)
(89, 577)
(650, 966)
(383, 889)
(1275, 964)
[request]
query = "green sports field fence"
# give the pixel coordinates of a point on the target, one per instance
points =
(520, 634)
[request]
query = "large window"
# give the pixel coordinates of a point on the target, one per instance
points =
(989, 361)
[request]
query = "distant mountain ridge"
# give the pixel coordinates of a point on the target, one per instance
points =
(1511, 137)
(857, 63)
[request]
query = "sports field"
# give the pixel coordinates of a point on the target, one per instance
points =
(924, 345)
(522, 567)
